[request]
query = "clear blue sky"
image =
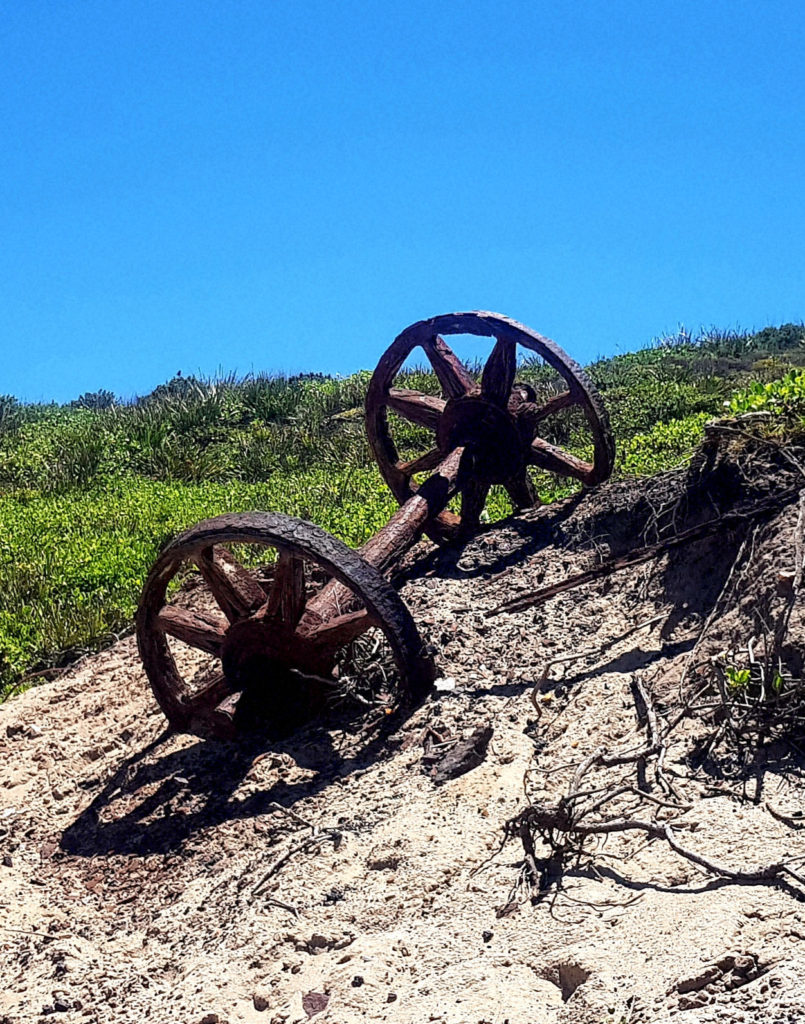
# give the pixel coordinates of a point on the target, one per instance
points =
(284, 186)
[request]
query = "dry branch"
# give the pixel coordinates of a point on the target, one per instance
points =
(588, 809)
(792, 820)
(645, 554)
(317, 835)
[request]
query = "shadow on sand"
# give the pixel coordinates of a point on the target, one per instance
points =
(156, 801)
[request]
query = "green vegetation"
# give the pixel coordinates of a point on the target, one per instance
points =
(89, 491)
(784, 398)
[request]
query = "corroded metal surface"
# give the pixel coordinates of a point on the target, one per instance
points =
(272, 637)
(263, 632)
(495, 422)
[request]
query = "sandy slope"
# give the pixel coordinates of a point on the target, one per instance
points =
(131, 859)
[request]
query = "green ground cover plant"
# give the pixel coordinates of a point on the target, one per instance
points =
(783, 398)
(72, 565)
(89, 491)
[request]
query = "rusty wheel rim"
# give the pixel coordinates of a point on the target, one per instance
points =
(246, 624)
(498, 397)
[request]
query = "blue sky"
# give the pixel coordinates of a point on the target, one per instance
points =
(285, 186)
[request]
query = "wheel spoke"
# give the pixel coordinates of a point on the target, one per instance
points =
(556, 460)
(498, 375)
(206, 632)
(430, 460)
(255, 655)
(522, 491)
(237, 592)
(473, 499)
(342, 629)
(286, 600)
(451, 373)
(417, 407)
(214, 690)
(553, 405)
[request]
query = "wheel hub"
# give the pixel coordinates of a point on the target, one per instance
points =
(278, 673)
(255, 649)
(485, 431)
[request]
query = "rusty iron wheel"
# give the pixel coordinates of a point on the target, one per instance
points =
(268, 636)
(493, 423)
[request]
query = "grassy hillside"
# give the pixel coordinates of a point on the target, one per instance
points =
(89, 491)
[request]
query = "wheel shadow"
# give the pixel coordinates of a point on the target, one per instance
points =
(516, 538)
(154, 804)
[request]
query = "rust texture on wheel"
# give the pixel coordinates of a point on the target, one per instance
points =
(264, 634)
(494, 424)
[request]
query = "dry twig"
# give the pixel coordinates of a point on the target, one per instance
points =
(792, 820)
(588, 652)
(317, 836)
(638, 555)
(588, 810)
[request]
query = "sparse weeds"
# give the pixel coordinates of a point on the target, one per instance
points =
(759, 698)
(72, 565)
